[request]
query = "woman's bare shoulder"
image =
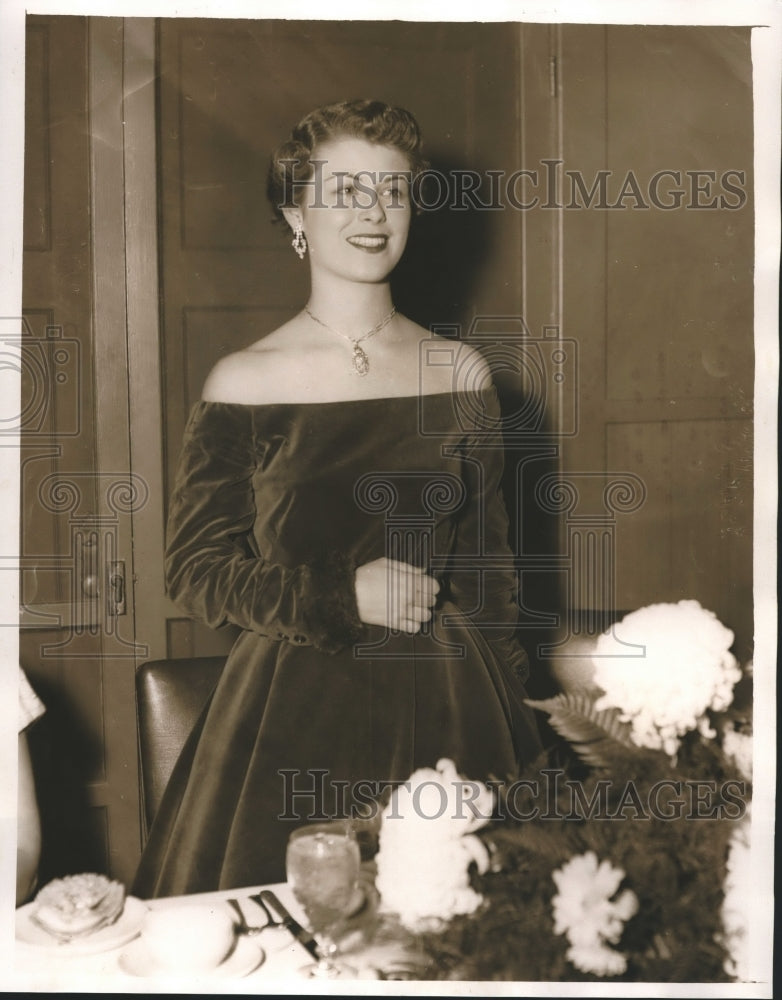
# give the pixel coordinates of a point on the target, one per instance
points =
(251, 376)
(473, 368)
(456, 365)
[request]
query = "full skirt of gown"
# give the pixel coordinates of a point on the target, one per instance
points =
(317, 714)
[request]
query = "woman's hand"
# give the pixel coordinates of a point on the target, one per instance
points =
(395, 594)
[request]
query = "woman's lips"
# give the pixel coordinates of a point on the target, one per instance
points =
(368, 243)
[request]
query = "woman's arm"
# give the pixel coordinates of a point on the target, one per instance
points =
(211, 571)
(487, 595)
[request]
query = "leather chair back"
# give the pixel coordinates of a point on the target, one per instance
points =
(170, 696)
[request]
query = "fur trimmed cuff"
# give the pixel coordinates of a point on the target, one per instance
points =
(332, 616)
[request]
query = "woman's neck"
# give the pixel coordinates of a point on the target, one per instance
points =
(351, 307)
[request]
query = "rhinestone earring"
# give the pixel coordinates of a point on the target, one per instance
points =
(299, 241)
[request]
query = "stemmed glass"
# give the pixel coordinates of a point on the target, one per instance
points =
(322, 864)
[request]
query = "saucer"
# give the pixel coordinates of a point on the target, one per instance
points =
(125, 927)
(244, 959)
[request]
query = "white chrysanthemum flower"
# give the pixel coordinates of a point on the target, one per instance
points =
(426, 846)
(737, 902)
(597, 959)
(737, 747)
(586, 913)
(681, 666)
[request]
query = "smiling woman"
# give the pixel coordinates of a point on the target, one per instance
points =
(342, 184)
(339, 507)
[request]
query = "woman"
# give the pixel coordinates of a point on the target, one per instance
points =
(336, 496)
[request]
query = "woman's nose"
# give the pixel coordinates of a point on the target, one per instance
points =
(372, 210)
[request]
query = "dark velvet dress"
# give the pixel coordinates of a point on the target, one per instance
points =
(274, 507)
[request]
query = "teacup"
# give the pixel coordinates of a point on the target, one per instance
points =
(188, 937)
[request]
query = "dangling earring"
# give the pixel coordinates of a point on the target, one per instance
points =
(299, 242)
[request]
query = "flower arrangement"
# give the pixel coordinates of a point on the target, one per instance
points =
(622, 855)
(427, 844)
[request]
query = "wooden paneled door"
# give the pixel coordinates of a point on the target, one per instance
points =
(657, 290)
(78, 489)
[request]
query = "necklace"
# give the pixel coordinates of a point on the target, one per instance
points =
(360, 359)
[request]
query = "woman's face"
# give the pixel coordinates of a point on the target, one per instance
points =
(355, 211)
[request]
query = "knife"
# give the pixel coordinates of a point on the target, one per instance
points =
(305, 938)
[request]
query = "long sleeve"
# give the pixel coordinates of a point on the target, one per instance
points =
(486, 593)
(212, 569)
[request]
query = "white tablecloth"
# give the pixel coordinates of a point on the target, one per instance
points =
(39, 970)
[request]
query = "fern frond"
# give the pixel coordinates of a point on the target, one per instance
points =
(600, 738)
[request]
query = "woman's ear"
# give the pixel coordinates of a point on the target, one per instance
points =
(292, 217)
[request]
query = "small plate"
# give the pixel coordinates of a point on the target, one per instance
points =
(244, 959)
(124, 929)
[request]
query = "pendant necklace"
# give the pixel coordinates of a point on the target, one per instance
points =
(360, 359)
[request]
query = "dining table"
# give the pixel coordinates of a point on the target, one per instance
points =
(375, 947)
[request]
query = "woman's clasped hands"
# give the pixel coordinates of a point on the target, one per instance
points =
(395, 594)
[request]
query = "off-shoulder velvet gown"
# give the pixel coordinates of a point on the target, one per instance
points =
(273, 508)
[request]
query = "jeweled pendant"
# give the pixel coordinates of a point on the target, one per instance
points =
(360, 360)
